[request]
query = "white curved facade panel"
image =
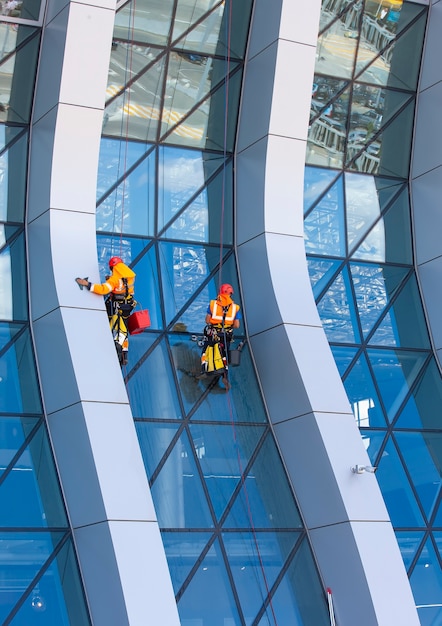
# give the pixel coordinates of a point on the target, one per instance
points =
(115, 529)
(314, 425)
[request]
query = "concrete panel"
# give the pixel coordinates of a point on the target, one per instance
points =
(53, 253)
(431, 70)
(84, 83)
(137, 548)
(99, 490)
(428, 136)
(368, 587)
(75, 344)
(279, 185)
(426, 191)
(291, 105)
(77, 127)
(326, 488)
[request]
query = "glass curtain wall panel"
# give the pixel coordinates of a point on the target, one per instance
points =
(40, 582)
(358, 241)
(236, 546)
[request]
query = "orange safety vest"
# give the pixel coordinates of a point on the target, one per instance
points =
(115, 283)
(219, 315)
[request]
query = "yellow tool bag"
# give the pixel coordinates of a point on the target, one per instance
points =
(212, 361)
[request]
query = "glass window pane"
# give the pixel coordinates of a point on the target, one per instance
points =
(395, 372)
(423, 456)
(30, 488)
(423, 408)
(363, 396)
(20, 391)
(13, 432)
(426, 583)
(182, 551)
(209, 594)
(129, 208)
(13, 171)
(256, 560)
(151, 388)
(146, 21)
(409, 544)
(299, 598)
(324, 227)
(316, 181)
(177, 492)
(337, 311)
(154, 439)
(399, 498)
(22, 556)
(224, 452)
(262, 503)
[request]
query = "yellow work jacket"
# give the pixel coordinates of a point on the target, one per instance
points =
(217, 314)
(115, 284)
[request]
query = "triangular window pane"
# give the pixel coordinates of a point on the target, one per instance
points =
(408, 324)
(291, 604)
(316, 181)
(395, 372)
(396, 63)
(183, 549)
(110, 168)
(131, 22)
(426, 582)
(223, 453)
(30, 490)
(154, 439)
(189, 272)
(396, 490)
(199, 608)
(337, 312)
(177, 491)
(390, 239)
(324, 227)
(181, 176)
(374, 285)
(20, 389)
(256, 560)
(31, 550)
(197, 223)
(363, 396)
(422, 453)
(341, 35)
(423, 408)
(409, 544)
(151, 388)
(321, 271)
(264, 504)
(130, 209)
(343, 357)
(14, 432)
(362, 206)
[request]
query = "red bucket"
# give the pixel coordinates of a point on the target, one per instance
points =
(138, 321)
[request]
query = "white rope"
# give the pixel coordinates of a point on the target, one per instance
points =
(330, 607)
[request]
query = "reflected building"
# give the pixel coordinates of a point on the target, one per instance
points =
(206, 142)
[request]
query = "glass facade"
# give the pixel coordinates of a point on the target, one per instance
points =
(39, 576)
(359, 247)
(236, 546)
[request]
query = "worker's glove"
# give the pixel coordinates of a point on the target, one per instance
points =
(83, 282)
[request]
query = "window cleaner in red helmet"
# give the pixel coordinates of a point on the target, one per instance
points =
(119, 289)
(222, 316)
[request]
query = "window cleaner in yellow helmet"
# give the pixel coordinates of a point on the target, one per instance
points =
(222, 316)
(119, 289)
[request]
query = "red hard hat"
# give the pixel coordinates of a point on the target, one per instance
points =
(226, 288)
(114, 261)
